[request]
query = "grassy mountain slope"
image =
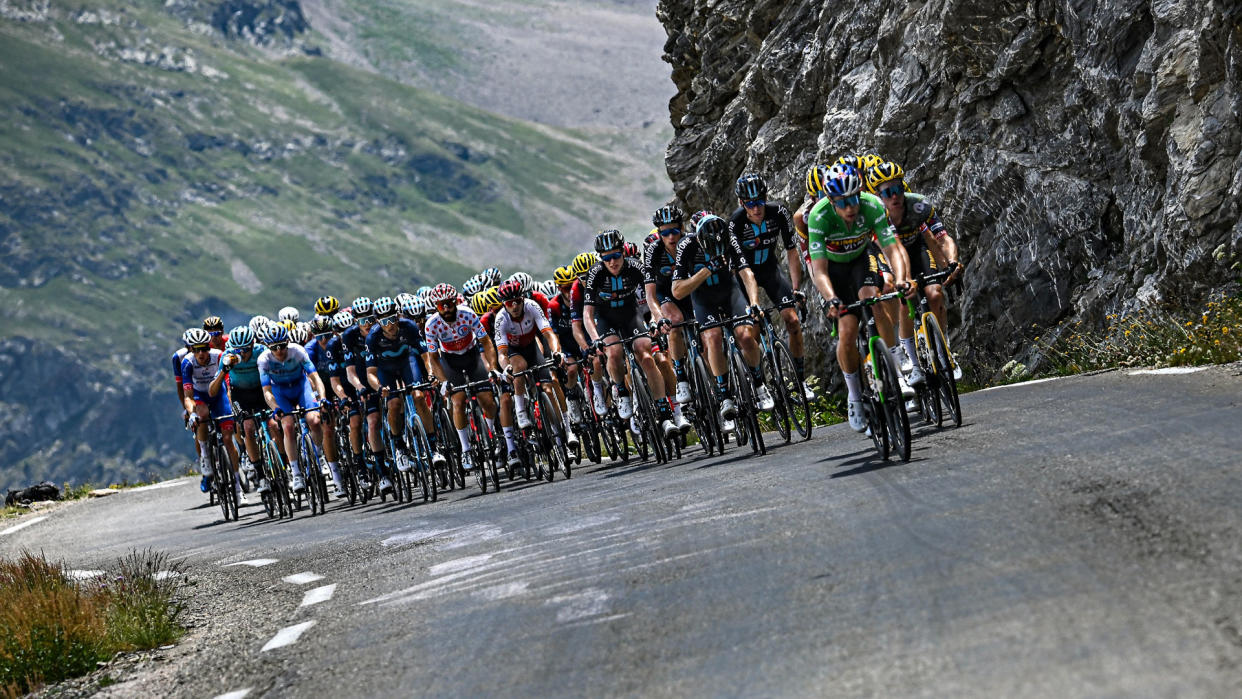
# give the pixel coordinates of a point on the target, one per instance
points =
(155, 167)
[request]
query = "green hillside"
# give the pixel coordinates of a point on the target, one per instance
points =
(157, 163)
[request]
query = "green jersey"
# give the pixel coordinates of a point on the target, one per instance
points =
(829, 237)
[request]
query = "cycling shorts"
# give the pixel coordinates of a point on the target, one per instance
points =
(848, 277)
(298, 395)
(402, 373)
(714, 309)
(569, 344)
(461, 369)
(249, 399)
(686, 306)
(533, 356)
(774, 284)
(623, 327)
(216, 407)
(873, 248)
(921, 261)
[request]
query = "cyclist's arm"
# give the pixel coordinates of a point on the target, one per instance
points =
(351, 373)
(588, 322)
(684, 287)
(373, 378)
(433, 359)
(551, 341)
(489, 352)
(898, 261)
(317, 385)
(269, 398)
(337, 387)
(795, 267)
(652, 302)
(580, 334)
(819, 276)
(748, 282)
(214, 389)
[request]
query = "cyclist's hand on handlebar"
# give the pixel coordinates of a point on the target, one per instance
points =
(834, 308)
(755, 311)
(718, 264)
(558, 358)
(908, 288)
(495, 375)
(955, 272)
(799, 298)
(191, 421)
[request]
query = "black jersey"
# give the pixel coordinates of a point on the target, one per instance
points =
(691, 258)
(759, 240)
(917, 214)
(658, 266)
(615, 295)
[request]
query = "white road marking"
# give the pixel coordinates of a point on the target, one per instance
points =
(1166, 370)
(317, 595)
(23, 525)
(473, 534)
(505, 591)
(595, 620)
(302, 578)
(459, 564)
(166, 574)
(413, 537)
(288, 635)
(1024, 383)
(161, 484)
(255, 563)
(590, 602)
(236, 694)
(84, 574)
(578, 525)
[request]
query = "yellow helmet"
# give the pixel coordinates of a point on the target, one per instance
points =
(478, 304)
(883, 172)
(491, 297)
(584, 262)
(854, 160)
(563, 276)
(289, 325)
(815, 178)
(869, 161)
(327, 306)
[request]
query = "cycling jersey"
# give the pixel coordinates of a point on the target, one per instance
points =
(177, 358)
(758, 240)
(244, 374)
(319, 358)
(196, 378)
(918, 215)
(562, 320)
(691, 259)
(829, 237)
(391, 355)
(658, 266)
(293, 371)
(800, 216)
(511, 332)
(615, 295)
(456, 338)
(543, 302)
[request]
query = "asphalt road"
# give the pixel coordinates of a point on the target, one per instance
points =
(1076, 537)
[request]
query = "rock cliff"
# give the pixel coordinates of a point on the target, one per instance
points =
(1085, 154)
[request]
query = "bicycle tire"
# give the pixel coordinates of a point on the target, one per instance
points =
(797, 400)
(648, 420)
(416, 437)
(877, 426)
(225, 495)
(929, 401)
(894, 404)
(944, 369)
(748, 410)
(707, 408)
(780, 398)
(547, 430)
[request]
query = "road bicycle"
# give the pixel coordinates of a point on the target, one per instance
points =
(271, 466)
(223, 478)
(482, 442)
(884, 407)
(792, 410)
(309, 454)
(649, 432)
(545, 440)
(741, 385)
(703, 410)
(937, 396)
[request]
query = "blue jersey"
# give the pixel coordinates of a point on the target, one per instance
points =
(319, 358)
(291, 372)
(245, 373)
(177, 358)
(355, 352)
(391, 353)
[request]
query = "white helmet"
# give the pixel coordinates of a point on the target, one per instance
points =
(527, 282)
(548, 288)
(289, 313)
(258, 323)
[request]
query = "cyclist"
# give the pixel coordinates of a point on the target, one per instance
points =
(344, 363)
(582, 264)
(240, 363)
(389, 347)
(927, 243)
(759, 225)
(314, 339)
(290, 381)
(844, 270)
(565, 315)
(706, 262)
(519, 326)
(215, 329)
(611, 308)
(658, 263)
(461, 353)
(201, 380)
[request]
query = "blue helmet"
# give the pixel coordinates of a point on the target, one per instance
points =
(843, 181)
(241, 337)
(275, 333)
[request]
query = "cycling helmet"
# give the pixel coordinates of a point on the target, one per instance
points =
(274, 334)
(869, 161)
(478, 304)
(343, 321)
(698, 216)
(855, 160)
(583, 263)
(750, 186)
(667, 214)
(526, 281)
(402, 300)
(491, 298)
(361, 307)
(563, 275)
(289, 313)
(491, 276)
(651, 238)
(256, 325)
(443, 292)
(884, 172)
(213, 324)
(548, 288)
(423, 291)
(510, 290)
(195, 337)
(321, 325)
(711, 234)
(304, 326)
(384, 307)
(815, 179)
(241, 337)
(412, 306)
(288, 324)
(608, 239)
(327, 305)
(473, 285)
(843, 181)
(631, 250)
(300, 336)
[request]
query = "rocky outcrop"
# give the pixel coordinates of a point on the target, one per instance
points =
(1085, 154)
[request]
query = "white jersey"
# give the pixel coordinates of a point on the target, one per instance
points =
(520, 333)
(199, 376)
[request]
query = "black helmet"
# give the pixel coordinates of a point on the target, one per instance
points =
(666, 215)
(711, 234)
(750, 186)
(608, 239)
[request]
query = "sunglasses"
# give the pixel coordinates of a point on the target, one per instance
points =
(200, 348)
(892, 191)
(566, 288)
(609, 257)
(445, 305)
(753, 203)
(845, 202)
(664, 233)
(324, 334)
(278, 346)
(215, 333)
(387, 320)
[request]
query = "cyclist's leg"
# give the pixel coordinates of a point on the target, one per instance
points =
(222, 406)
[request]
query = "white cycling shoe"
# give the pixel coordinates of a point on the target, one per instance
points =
(916, 377)
(957, 369)
(683, 425)
(907, 391)
(905, 361)
(683, 392)
(523, 420)
(764, 398)
(385, 485)
(437, 459)
(264, 486)
(601, 405)
(858, 420)
(299, 483)
(669, 428)
(571, 440)
(403, 462)
(625, 407)
(728, 409)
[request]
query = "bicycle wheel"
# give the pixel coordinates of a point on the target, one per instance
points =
(223, 481)
(416, 438)
(928, 393)
(648, 418)
(944, 370)
(874, 409)
(799, 408)
(898, 421)
(706, 408)
(306, 462)
(780, 395)
(747, 409)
